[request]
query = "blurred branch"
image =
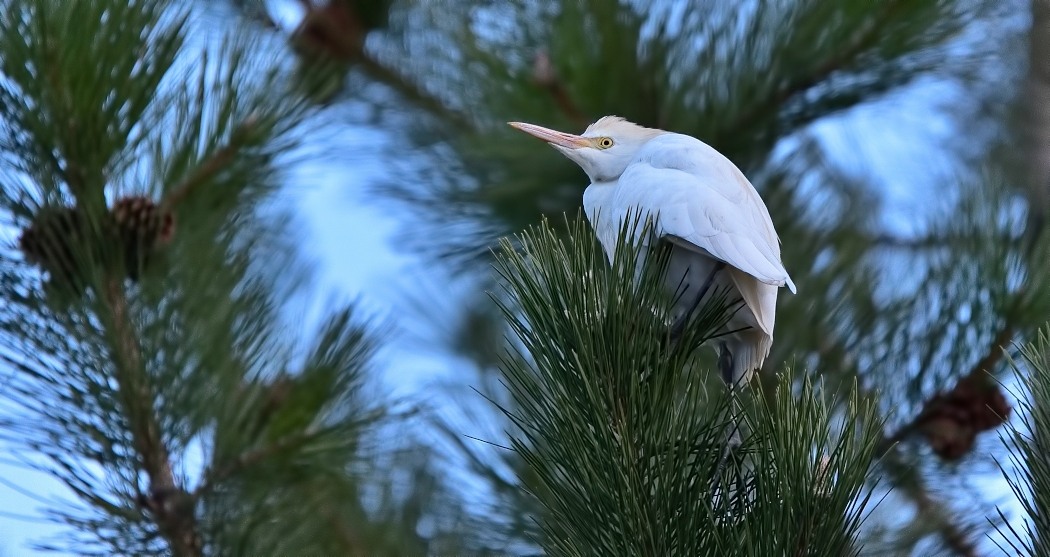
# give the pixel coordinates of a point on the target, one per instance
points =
(347, 536)
(928, 241)
(861, 41)
(176, 523)
(411, 91)
(339, 23)
(215, 476)
(543, 75)
(983, 366)
(214, 164)
(1037, 117)
(909, 479)
(953, 536)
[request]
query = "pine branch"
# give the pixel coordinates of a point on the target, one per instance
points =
(543, 75)
(219, 160)
(953, 536)
(801, 83)
(175, 522)
(618, 439)
(978, 371)
(350, 34)
(1028, 471)
(244, 461)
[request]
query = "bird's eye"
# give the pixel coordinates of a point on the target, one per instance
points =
(604, 142)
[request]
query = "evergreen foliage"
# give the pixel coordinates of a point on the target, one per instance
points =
(624, 435)
(165, 392)
(1028, 467)
(147, 363)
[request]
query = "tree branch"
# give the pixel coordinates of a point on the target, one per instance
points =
(1037, 117)
(340, 24)
(137, 398)
(953, 536)
(350, 540)
(543, 75)
(411, 91)
(245, 460)
(862, 40)
(983, 366)
(214, 164)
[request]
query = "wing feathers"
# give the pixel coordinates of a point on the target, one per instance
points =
(703, 202)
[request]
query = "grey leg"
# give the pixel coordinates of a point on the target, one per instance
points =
(733, 440)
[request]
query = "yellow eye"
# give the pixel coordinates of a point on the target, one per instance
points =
(604, 142)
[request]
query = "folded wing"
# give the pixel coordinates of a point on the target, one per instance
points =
(702, 202)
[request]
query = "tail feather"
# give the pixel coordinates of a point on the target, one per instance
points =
(749, 349)
(759, 297)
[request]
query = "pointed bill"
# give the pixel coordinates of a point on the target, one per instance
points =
(560, 139)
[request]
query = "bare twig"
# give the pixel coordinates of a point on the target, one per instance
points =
(137, 398)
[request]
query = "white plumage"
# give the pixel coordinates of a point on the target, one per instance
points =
(703, 205)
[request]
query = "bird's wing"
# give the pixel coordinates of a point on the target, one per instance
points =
(701, 201)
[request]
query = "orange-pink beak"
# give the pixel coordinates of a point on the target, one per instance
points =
(561, 139)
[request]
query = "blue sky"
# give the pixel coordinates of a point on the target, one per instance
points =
(351, 238)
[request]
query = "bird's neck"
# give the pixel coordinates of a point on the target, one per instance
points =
(595, 201)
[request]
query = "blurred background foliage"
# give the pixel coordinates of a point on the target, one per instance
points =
(891, 141)
(901, 146)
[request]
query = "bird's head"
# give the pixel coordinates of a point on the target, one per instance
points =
(604, 149)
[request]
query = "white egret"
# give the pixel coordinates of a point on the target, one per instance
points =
(719, 229)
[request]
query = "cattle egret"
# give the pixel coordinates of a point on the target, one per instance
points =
(719, 229)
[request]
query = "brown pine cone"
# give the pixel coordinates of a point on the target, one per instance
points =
(62, 242)
(993, 412)
(949, 438)
(142, 228)
(951, 420)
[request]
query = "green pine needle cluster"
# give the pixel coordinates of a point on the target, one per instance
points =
(623, 435)
(1028, 467)
(176, 407)
(148, 261)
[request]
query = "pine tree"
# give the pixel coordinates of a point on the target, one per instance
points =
(1027, 467)
(147, 364)
(920, 320)
(144, 284)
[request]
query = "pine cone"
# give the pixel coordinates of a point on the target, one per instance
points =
(142, 227)
(331, 30)
(994, 411)
(949, 438)
(951, 421)
(59, 241)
